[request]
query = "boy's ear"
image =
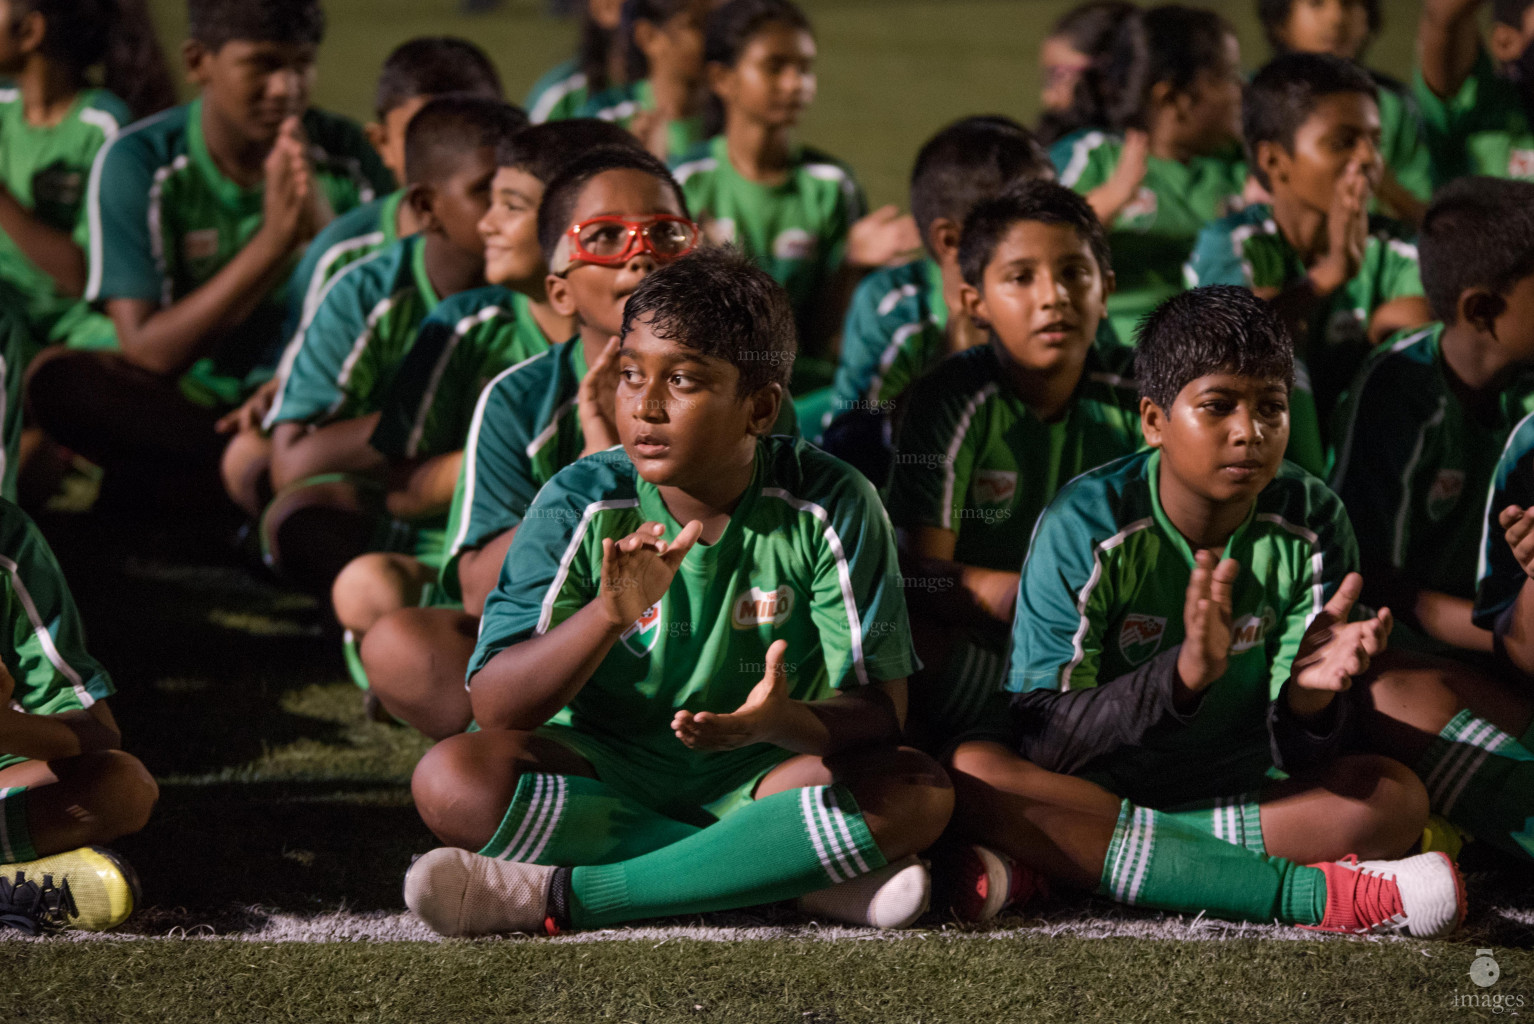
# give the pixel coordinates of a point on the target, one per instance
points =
(560, 298)
(1165, 97)
(766, 401)
(721, 81)
(30, 32)
(421, 198)
(974, 305)
(1480, 309)
(1505, 43)
(646, 33)
(378, 136)
(943, 237)
(1274, 161)
(1152, 422)
(194, 56)
(1110, 285)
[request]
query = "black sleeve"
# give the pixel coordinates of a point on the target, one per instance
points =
(1297, 745)
(1063, 732)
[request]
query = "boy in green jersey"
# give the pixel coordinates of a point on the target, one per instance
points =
(683, 718)
(1182, 629)
(1421, 428)
(197, 216)
(336, 376)
(1477, 99)
(990, 434)
(1340, 278)
(902, 319)
(412, 76)
(64, 782)
(1344, 29)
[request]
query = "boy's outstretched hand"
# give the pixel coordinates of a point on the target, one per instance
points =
(1206, 619)
(1518, 527)
(638, 570)
(1334, 650)
(594, 400)
(755, 721)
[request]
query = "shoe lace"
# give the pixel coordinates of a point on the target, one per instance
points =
(1376, 898)
(35, 908)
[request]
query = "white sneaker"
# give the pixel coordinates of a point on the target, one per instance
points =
(461, 893)
(1422, 896)
(894, 896)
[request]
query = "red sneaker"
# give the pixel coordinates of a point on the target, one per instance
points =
(1422, 896)
(985, 882)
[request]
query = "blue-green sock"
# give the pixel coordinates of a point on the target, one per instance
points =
(351, 651)
(782, 846)
(569, 820)
(15, 835)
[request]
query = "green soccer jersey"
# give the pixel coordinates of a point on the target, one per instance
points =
(896, 329)
(44, 649)
(344, 362)
(796, 231)
(1484, 128)
(46, 169)
(1403, 144)
(622, 103)
(559, 94)
(1103, 591)
(354, 235)
(972, 458)
(164, 220)
(808, 557)
(1414, 464)
(468, 339)
(1499, 577)
(1153, 236)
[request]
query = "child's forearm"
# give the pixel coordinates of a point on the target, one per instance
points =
(1398, 315)
(527, 683)
(341, 447)
(424, 488)
(994, 590)
(1447, 618)
(52, 737)
(864, 717)
(1448, 40)
(54, 252)
(169, 340)
(479, 570)
(1518, 634)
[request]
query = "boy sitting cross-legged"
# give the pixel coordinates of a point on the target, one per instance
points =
(1182, 630)
(683, 718)
(989, 434)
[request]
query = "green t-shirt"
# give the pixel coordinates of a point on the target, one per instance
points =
(1484, 128)
(972, 458)
(621, 103)
(44, 649)
(1403, 144)
(343, 363)
(1414, 466)
(1499, 577)
(1153, 236)
(894, 332)
(46, 170)
(796, 231)
(467, 340)
(1103, 591)
(808, 557)
(1247, 248)
(356, 234)
(164, 220)
(559, 94)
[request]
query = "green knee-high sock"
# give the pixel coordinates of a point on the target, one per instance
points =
(351, 652)
(1482, 780)
(777, 848)
(1233, 819)
(568, 819)
(15, 835)
(1157, 861)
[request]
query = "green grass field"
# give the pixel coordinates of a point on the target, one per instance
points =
(285, 820)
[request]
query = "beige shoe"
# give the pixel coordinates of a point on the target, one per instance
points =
(461, 893)
(894, 896)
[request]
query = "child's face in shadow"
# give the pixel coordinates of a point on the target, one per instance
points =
(1043, 295)
(1342, 129)
(1337, 27)
(459, 200)
(774, 79)
(1062, 65)
(594, 293)
(253, 87)
(674, 48)
(1224, 437)
(509, 228)
(1210, 112)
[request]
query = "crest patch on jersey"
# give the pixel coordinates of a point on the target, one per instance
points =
(758, 607)
(200, 245)
(1252, 630)
(640, 638)
(1140, 636)
(1142, 205)
(794, 244)
(1448, 485)
(1520, 163)
(994, 486)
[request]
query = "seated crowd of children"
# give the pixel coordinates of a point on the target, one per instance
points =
(1149, 512)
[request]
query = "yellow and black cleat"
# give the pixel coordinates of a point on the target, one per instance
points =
(90, 889)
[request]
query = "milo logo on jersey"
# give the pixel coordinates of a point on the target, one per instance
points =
(758, 607)
(1252, 630)
(640, 638)
(994, 487)
(794, 244)
(1448, 485)
(1140, 636)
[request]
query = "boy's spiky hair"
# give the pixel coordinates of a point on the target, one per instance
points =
(216, 22)
(560, 196)
(544, 150)
(452, 125)
(1216, 329)
(1043, 201)
(1284, 93)
(435, 66)
(720, 303)
(969, 161)
(1274, 15)
(1478, 233)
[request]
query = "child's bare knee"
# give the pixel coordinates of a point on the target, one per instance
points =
(1391, 804)
(118, 791)
(367, 589)
(244, 469)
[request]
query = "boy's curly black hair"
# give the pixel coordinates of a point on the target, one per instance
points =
(1215, 329)
(1042, 201)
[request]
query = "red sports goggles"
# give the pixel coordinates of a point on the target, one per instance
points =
(612, 241)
